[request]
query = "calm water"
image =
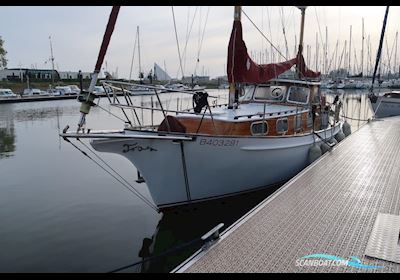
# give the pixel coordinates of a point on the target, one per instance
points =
(59, 212)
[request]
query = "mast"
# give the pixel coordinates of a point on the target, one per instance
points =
(87, 98)
(362, 50)
(316, 51)
(368, 56)
(237, 16)
(300, 53)
(133, 57)
(350, 51)
(336, 54)
(52, 61)
(378, 55)
(395, 54)
(326, 50)
(140, 65)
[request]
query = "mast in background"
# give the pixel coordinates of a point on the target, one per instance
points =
(362, 50)
(52, 61)
(395, 55)
(141, 75)
(237, 15)
(350, 52)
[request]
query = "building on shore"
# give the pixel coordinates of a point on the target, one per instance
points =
(160, 74)
(70, 75)
(196, 79)
(21, 74)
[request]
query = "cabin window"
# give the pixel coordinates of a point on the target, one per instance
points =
(297, 122)
(282, 126)
(259, 128)
(270, 93)
(315, 95)
(247, 93)
(298, 95)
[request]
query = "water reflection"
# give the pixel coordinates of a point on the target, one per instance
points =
(356, 107)
(34, 114)
(188, 223)
(7, 132)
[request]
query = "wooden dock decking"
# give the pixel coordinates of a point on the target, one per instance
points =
(329, 208)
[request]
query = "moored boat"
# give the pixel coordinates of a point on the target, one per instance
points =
(387, 104)
(269, 131)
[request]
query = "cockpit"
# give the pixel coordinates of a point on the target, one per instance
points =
(296, 94)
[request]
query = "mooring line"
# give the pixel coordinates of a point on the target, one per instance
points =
(126, 185)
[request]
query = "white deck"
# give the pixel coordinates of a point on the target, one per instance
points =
(251, 109)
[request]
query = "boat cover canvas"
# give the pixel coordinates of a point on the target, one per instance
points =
(242, 69)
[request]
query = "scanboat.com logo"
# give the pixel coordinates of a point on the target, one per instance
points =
(330, 260)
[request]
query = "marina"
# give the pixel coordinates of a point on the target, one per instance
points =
(73, 223)
(286, 163)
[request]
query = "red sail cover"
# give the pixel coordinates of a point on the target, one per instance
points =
(242, 69)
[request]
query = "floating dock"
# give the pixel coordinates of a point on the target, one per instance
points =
(335, 208)
(37, 98)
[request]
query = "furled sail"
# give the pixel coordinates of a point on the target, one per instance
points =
(242, 69)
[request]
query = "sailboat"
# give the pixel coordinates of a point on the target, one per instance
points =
(386, 104)
(266, 134)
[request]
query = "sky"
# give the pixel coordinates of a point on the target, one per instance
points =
(77, 32)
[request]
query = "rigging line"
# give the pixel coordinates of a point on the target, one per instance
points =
(270, 34)
(129, 102)
(293, 25)
(319, 26)
(284, 31)
(102, 167)
(135, 190)
(391, 53)
(201, 42)
(262, 34)
(177, 41)
(341, 56)
(262, 28)
(187, 39)
(187, 23)
(333, 56)
(356, 61)
(112, 114)
(387, 51)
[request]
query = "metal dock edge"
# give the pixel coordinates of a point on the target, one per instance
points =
(328, 209)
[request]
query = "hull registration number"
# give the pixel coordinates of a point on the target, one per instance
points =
(219, 142)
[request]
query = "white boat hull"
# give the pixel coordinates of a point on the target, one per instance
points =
(386, 107)
(181, 172)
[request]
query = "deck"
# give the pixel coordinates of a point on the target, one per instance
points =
(329, 208)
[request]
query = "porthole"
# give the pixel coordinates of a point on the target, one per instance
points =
(282, 126)
(259, 128)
